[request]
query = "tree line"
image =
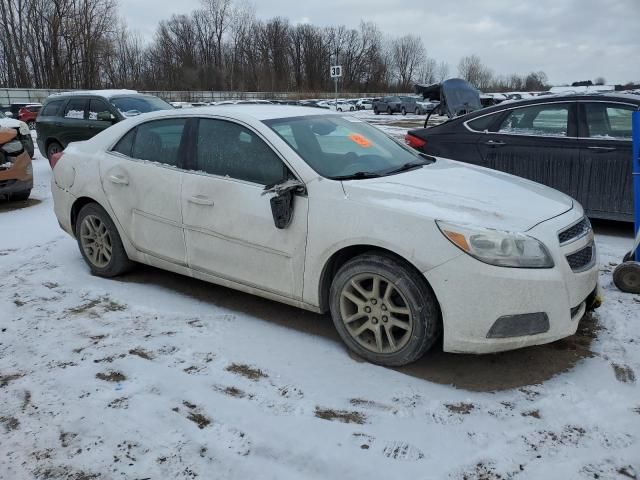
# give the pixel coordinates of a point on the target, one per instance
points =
(220, 46)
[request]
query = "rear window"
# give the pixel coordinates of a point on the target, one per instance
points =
(52, 108)
(482, 124)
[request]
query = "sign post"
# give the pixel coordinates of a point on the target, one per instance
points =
(336, 72)
(635, 128)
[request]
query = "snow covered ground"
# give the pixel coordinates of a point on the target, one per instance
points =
(157, 376)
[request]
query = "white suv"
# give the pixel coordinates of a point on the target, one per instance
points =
(325, 212)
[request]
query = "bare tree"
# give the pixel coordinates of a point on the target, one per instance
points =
(475, 72)
(442, 71)
(408, 55)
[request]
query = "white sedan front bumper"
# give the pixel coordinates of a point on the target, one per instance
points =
(474, 296)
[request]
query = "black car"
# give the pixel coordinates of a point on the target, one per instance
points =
(578, 144)
(76, 116)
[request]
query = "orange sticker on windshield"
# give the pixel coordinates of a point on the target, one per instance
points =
(360, 140)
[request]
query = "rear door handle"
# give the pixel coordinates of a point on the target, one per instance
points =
(201, 200)
(494, 143)
(119, 179)
(602, 149)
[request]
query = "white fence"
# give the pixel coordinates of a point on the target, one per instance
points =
(37, 95)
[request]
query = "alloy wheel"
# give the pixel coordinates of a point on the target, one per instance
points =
(96, 241)
(376, 313)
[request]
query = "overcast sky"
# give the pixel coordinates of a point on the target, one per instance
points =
(568, 39)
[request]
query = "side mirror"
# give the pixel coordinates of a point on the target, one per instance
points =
(105, 116)
(282, 201)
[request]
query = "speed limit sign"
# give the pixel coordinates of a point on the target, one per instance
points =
(336, 71)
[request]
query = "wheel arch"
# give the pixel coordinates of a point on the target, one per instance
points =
(346, 253)
(77, 206)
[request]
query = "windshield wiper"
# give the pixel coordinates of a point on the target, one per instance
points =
(408, 166)
(356, 176)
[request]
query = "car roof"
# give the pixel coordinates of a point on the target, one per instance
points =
(106, 94)
(256, 111)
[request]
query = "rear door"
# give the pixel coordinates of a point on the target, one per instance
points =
(538, 142)
(72, 127)
(605, 151)
(141, 178)
(229, 226)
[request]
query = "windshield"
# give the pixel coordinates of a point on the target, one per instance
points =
(337, 146)
(135, 105)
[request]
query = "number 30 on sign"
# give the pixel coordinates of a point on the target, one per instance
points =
(336, 71)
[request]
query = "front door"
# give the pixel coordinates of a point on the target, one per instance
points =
(73, 125)
(142, 183)
(606, 155)
(229, 226)
(538, 142)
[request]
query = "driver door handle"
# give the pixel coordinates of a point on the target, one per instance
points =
(494, 143)
(201, 200)
(119, 179)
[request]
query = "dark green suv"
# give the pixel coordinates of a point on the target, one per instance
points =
(76, 116)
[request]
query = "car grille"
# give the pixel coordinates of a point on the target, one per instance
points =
(575, 231)
(7, 183)
(582, 259)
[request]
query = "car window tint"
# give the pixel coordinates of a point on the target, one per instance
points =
(228, 149)
(606, 120)
(97, 106)
(125, 144)
(545, 120)
(159, 141)
(52, 108)
(75, 108)
(482, 124)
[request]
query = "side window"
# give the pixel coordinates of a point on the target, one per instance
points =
(97, 106)
(125, 144)
(159, 141)
(228, 149)
(541, 120)
(75, 108)
(482, 124)
(606, 120)
(52, 109)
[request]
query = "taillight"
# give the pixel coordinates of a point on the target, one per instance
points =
(414, 142)
(55, 158)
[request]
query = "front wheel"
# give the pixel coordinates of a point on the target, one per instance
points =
(417, 111)
(376, 111)
(52, 149)
(100, 242)
(383, 310)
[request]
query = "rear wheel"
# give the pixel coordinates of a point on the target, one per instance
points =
(376, 111)
(383, 310)
(100, 242)
(417, 111)
(389, 111)
(52, 149)
(404, 111)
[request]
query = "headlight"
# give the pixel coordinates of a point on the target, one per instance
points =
(497, 247)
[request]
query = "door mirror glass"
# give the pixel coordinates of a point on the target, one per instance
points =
(282, 201)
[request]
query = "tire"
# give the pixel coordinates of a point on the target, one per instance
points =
(626, 277)
(376, 111)
(31, 125)
(20, 196)
(404, 111)
(629, 256)
(416, 111)
(339, 109)
(53, 147)
(389, 111)
(100, 224)
(414, 327)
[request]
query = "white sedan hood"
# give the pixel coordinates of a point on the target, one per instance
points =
(13, 123)
(462, 193)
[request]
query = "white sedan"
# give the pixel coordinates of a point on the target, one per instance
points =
(325, 212)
